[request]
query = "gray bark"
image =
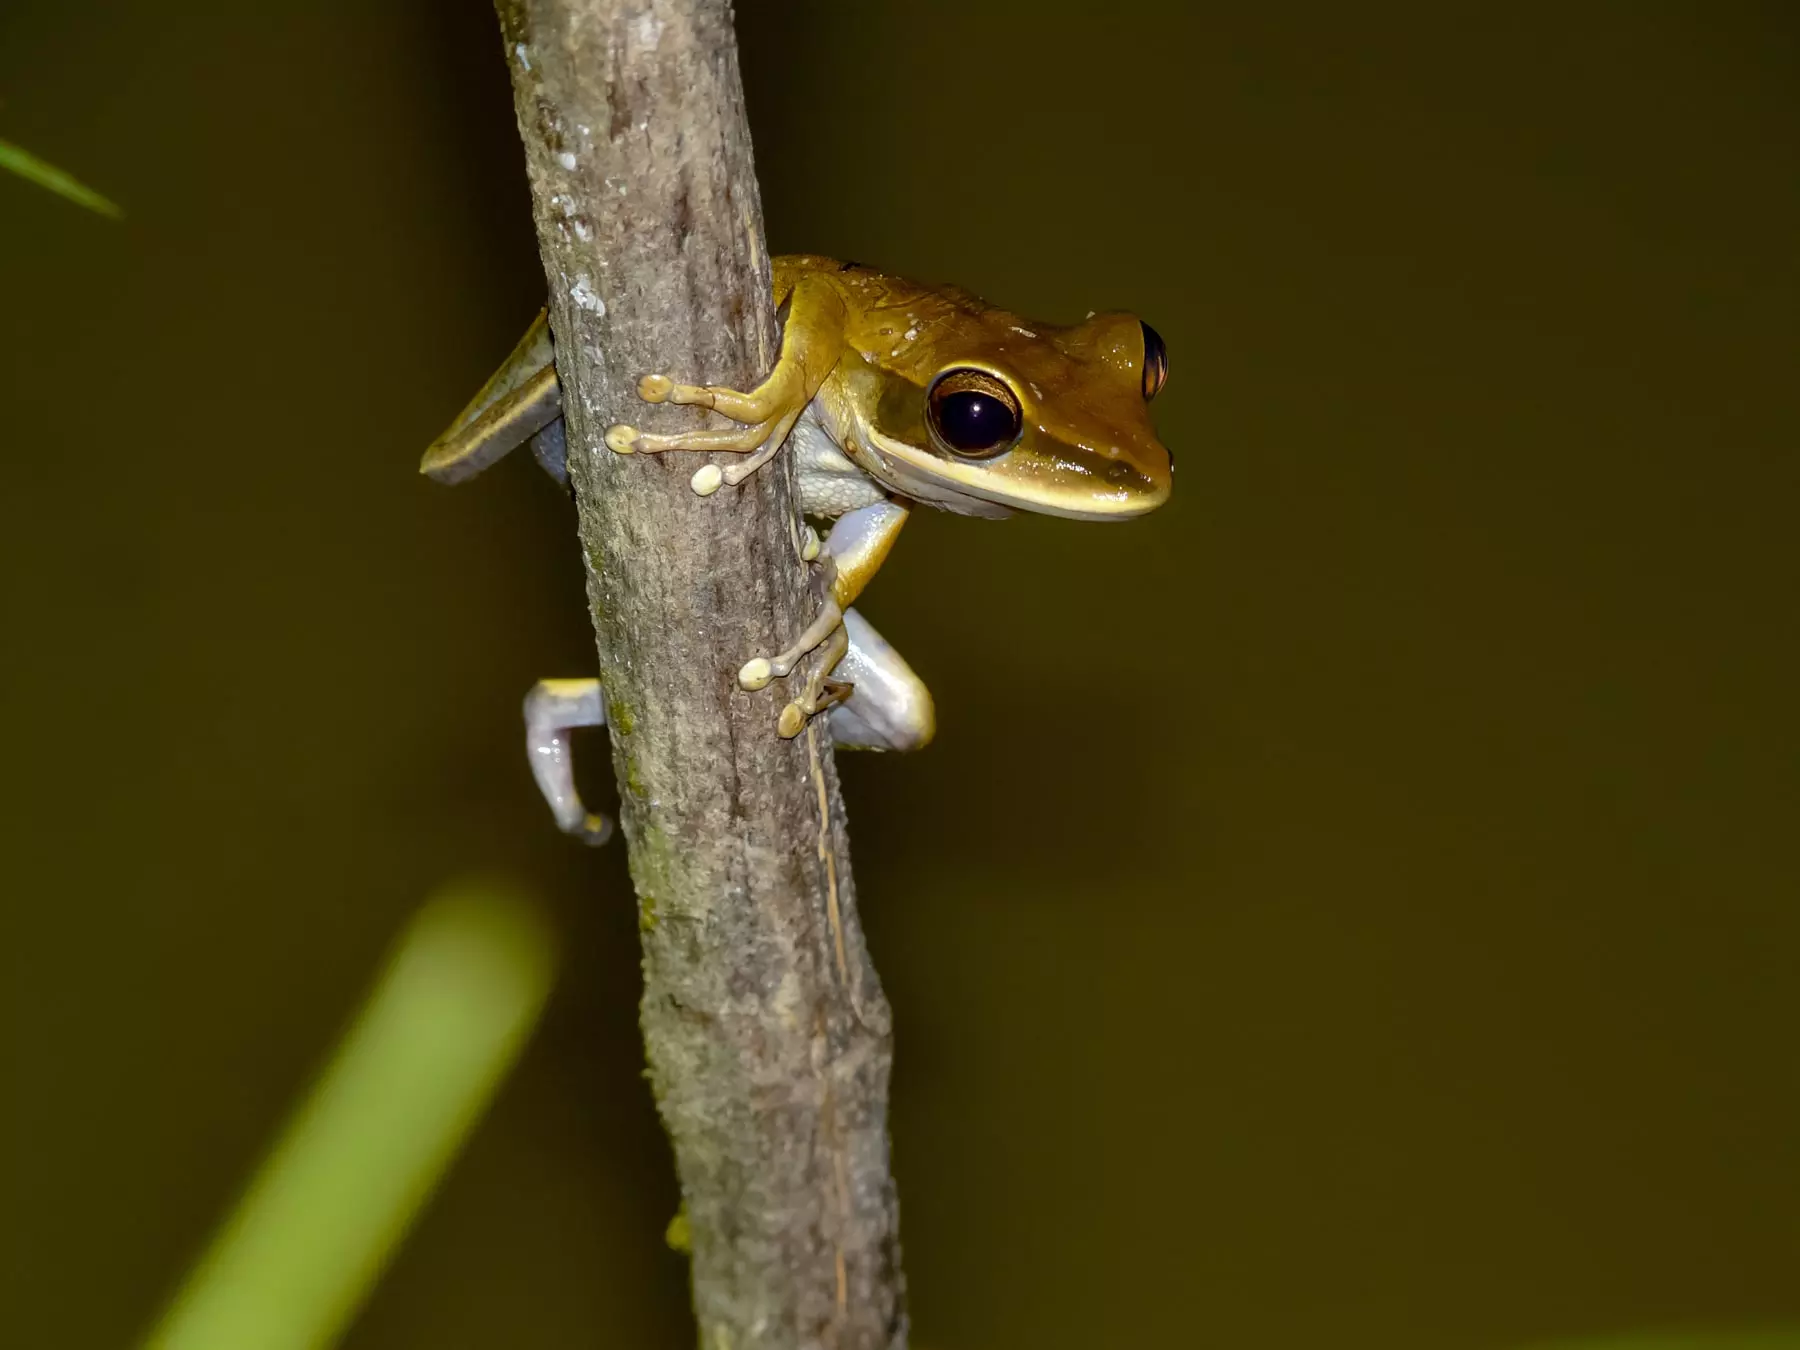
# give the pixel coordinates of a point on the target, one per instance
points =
(764, 1023)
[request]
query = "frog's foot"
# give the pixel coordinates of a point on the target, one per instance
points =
(553, 709)
(875, 700)
(766, 415)
(759, 670)
(851, 555)
(821, 690)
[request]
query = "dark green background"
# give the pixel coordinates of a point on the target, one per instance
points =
(1353, 907)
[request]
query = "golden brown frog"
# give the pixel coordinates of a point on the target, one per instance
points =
(890, 393)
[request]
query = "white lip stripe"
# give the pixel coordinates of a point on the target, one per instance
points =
(968, 480)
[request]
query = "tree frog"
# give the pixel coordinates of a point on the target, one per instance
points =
(888, 394)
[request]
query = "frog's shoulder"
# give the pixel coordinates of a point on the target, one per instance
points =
(789, 268)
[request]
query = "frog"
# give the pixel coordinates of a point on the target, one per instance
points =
(889, 395)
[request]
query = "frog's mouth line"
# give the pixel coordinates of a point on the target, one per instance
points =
(914, 468)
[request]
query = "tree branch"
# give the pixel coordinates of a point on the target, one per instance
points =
(767, 1034)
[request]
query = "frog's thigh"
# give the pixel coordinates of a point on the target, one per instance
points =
(553, 709)
(889, 707)
(859, 544)
(811, 340)
(854, 551)
(520, 400)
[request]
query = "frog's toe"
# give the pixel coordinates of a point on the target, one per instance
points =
(622, 439)
(739, 439)
(797, 714)
(594, 830)
(789, 724)
(827, 627)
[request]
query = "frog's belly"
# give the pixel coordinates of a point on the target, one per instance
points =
(828, 483)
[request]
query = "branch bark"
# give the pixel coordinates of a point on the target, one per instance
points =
(764, 1023)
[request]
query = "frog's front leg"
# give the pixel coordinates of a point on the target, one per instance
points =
(854, 551)
(811, 342)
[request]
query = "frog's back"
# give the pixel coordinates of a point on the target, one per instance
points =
(869, 285)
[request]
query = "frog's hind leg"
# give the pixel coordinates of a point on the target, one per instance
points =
(554, 709)
(811, 342)
(521, 401)
(876, 703)
(888, 707)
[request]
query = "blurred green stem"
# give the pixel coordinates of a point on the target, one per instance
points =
(21, 161)
(334, 1197)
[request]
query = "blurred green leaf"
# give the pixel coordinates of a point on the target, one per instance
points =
(335, 1195)
(27, 165)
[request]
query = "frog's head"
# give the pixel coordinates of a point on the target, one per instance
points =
(988, 410)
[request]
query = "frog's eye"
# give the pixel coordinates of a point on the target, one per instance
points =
(1156, 362)
(973, 412)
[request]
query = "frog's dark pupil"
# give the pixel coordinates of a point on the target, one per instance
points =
(974, 412)
(971, 420)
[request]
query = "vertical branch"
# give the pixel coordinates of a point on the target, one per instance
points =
(764, 1023)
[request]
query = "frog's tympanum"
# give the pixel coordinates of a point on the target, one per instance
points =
(890, 394)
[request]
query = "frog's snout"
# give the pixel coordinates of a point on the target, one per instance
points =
(1152, 464)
